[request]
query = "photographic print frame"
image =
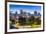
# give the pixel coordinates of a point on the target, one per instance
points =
(23, 3)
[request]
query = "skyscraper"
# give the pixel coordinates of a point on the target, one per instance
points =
(35, 13)
(21, 11)
(16, 12)
(39, 14)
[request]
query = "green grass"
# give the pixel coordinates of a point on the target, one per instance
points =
(30, 23)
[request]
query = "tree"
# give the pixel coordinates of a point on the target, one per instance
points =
(31, 20)
(22, 20)
(38, 21)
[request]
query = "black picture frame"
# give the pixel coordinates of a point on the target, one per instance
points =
(22, 2)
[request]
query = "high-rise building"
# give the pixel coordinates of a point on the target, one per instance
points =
(35, 12)
(29, 14)
(16, 12)
(21, 11)
(39, 14)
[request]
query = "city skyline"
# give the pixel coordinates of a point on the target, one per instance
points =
(26, 8)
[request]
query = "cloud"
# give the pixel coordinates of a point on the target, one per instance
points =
(24, 10)
(32, 12)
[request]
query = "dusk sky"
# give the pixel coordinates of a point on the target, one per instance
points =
(27, 8)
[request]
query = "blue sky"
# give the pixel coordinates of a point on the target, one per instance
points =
(27, 8)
